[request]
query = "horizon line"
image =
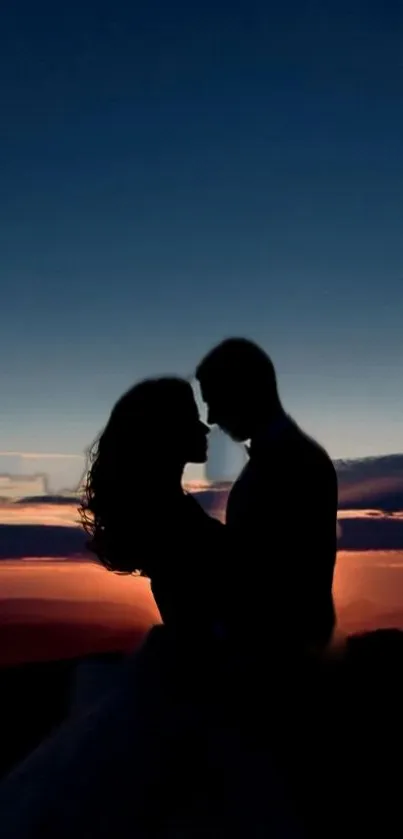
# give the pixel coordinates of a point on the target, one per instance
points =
(70, 456)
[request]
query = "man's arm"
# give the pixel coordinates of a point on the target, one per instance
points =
(321, 551)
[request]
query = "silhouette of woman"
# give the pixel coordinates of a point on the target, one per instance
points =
(135, 508)
(152, 758)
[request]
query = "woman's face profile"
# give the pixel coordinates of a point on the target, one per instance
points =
(191, 432)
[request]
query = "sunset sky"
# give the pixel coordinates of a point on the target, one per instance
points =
(175, 172)
(55, 601)
(56, 606)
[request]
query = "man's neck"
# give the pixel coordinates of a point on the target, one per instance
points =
(269, 430)
(264, 424)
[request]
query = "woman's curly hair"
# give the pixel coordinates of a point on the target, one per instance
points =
(115, 509)
(101, 520)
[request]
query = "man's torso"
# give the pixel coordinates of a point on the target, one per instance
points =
(281, 518)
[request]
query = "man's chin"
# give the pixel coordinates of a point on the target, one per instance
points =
(236, 436)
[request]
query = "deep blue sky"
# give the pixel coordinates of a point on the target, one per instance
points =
(173, 172)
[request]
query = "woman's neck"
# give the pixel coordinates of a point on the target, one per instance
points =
(173, 480)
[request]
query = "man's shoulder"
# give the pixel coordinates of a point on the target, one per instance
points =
(312, 452)
(293, 448)
(245, 476)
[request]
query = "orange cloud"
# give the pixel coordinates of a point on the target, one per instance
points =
(51, 514)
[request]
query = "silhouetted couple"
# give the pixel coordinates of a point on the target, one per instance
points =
(139, 763)
(265, 577)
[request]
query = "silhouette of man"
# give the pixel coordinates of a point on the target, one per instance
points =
(288, 481)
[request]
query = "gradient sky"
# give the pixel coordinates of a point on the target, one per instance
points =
(173, 172)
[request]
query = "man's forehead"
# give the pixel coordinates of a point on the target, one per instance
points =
(198, 396)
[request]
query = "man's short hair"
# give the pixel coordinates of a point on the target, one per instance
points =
(238, 359)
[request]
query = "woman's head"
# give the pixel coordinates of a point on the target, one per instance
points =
(157, 420)
(153, 431)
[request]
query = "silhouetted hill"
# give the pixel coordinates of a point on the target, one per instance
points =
(29, 633)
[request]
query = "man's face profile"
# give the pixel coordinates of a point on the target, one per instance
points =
(223, 409)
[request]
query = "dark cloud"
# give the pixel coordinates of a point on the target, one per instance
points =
(370, 533)
(367, 483)
(373, 482)
(34, 540)
(356, 533)
(41, 540)
(49, 499)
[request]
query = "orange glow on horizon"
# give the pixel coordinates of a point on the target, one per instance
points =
(51, 608)
(61, 607)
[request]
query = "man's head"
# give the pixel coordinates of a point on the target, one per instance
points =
(238, 382)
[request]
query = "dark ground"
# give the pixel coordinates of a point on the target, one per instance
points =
(333, 733)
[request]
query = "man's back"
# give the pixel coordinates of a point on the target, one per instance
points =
(281, 515)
